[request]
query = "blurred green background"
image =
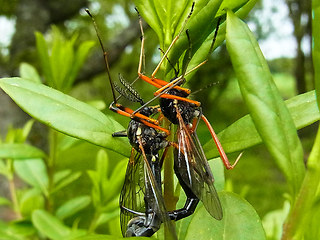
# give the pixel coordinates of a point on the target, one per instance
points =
(283, 29)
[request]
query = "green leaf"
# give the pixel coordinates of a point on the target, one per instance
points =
(112, 188)
(27, 129)
(59, 175)
(240, 221)
(202, 26)
(242, 134)
(164, 17)
(49, 225)
(17, 230)
(4, 201)
(33, 172)
(66, 181)
(79, 59)
(102, 165)
(217, 168)
(106, 217)
(96, 190)
(30, 200)
(305, 211)
(73, 206)
(5, 169)
(273, 221)
(27, 71)
(65, 114)
(106, 237)
(267, 109)
(43, 55)
(316, 46)
(20, 151)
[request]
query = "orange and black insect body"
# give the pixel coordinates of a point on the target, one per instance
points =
(188, 111)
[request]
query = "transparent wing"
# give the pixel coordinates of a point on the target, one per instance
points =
(133, 190)
(156, 201)
(195, 171)
(140, 189)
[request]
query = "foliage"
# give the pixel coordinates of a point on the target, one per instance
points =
(270, 121)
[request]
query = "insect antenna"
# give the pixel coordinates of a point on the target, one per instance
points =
(204, 88)
(104, 55)
(129, 92)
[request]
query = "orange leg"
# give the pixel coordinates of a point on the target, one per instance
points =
(128, 113)
(169, 96)
(124, 111)
(223, 155)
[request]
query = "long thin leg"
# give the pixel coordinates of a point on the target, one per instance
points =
(138, 117)
(223, 155)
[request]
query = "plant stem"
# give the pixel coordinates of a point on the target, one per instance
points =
(13, 192)
(51, 162)
(169, 197)
(93, 224)
(305, 199)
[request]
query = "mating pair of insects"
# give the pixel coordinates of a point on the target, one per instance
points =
(141, 201)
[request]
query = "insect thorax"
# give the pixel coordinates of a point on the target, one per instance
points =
(152, 140)
(186, 109)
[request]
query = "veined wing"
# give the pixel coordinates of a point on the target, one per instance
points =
(133, 191)
(140, 189)
(153, 190)
(195, 171)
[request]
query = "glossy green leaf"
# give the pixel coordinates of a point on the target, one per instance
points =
(304, 213)
(20, 151)
(316, 46)
(73, 206)
(217, 169)
(267, 109)
(242, 134)
(164, 17)
(204, 32)
(49, 225)
(240, 221)
(33, 172)
(201, 24)
(65, 114)
(27, 71)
